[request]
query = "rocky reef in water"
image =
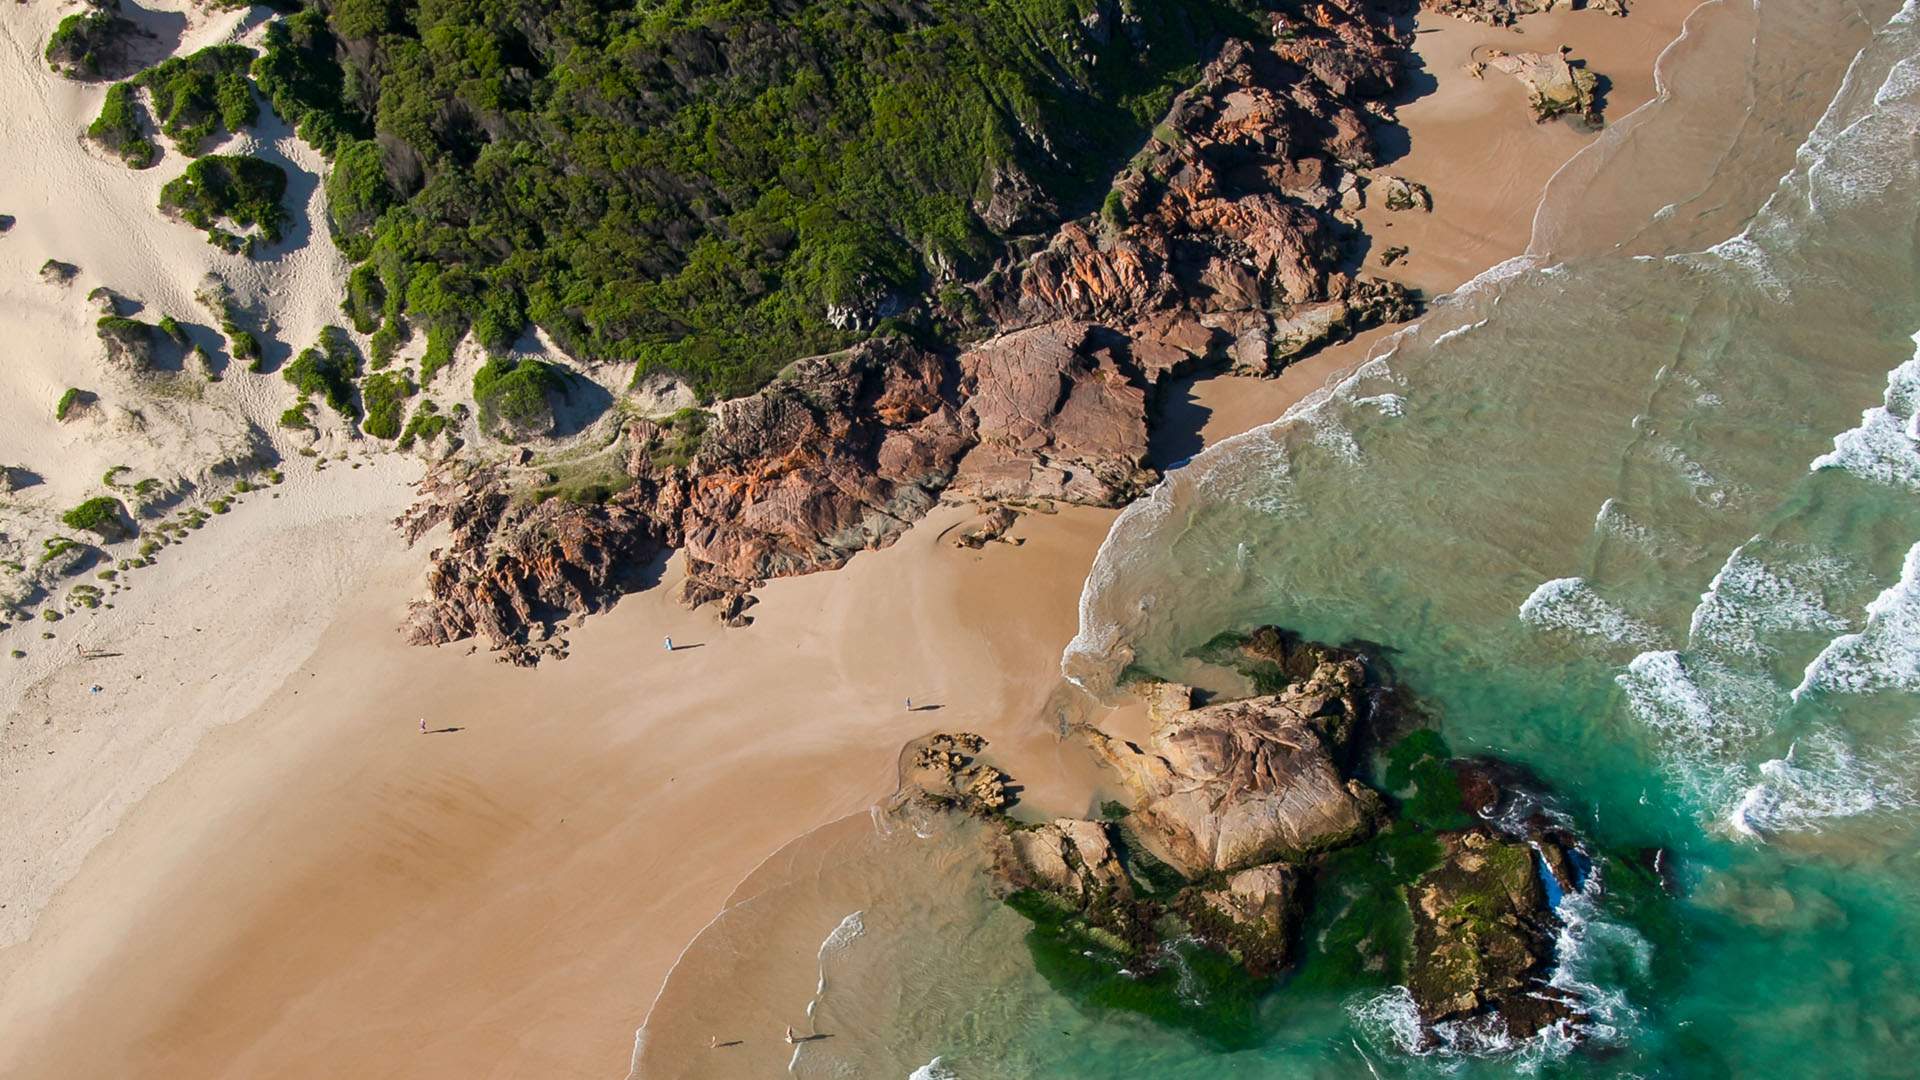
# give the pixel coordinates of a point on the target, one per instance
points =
(1226, 243)
(1303, 831)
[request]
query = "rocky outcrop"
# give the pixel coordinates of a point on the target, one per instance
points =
(1222, 244)
(513, 567)
(1223, 231)
(1237, 784)
(1400, 193)
(1556, 86)
(841, 456)
(1057, 412)
(1483, 937)
(944, 771)
(1067, 857)
(1454, 897)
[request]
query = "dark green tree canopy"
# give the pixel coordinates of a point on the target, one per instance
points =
(714, 186)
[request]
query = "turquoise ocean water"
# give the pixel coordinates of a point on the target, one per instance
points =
(1640, 511)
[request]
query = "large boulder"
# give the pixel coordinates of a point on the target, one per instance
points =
(1241, 783)
(1057, 415)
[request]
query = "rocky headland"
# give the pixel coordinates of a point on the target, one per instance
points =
(1226, 243)
(1310, 801)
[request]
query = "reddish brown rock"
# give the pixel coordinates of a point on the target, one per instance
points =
(1058, 414)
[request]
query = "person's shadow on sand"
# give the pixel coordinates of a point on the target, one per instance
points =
(444, 730)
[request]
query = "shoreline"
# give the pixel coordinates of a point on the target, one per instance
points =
(312, 923)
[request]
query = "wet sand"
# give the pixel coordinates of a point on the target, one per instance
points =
(323, 891)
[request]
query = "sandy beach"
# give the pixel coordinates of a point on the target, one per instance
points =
(301, 883)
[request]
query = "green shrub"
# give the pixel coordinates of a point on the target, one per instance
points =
(366, 296)
(100, 515)
(85, 44)
(328, 368)
(73, 396)
(227, 187)
(515, 393)
(426, 423)
(297, 418)
(171, 327)
(385, 394)
(118, 127)
(690, 184)
(198, 94)
(357, 189)
(307, 86)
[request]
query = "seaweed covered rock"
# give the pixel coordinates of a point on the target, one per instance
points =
(1251, 916)
(1484, 937)
(1240, 783)
(1068, 857)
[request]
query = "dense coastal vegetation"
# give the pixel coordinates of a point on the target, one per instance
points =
(704, 187)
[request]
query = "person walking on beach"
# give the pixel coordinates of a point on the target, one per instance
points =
(423, 725)
(909, 704)
(790, 1039)
(669, 643)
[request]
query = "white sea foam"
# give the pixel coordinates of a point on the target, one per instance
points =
(936, 1069)
(1883, 656)
(1387, 404)
(1750, 599)
(1701, 710)
(1569, 603)
(1820, 778)
(1883, 448)
(1457, 332)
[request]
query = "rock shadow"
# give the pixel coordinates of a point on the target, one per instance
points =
(582, 402)
(1175, 424)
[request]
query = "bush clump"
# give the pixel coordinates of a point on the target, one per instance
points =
(714, 187)
(235, 188)
(328, 368)
(72, 396)
(196, 95)
(513, 395)
(118, 128)
(385, 394)
(300, 75)
(365, 299)
(89, 44)
(102, 515)
(129, 342)
(426, 423)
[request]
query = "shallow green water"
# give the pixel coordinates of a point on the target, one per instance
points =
(1641, 512)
